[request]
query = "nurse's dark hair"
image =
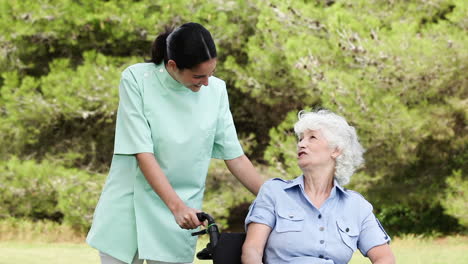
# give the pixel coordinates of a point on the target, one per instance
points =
(187, 45)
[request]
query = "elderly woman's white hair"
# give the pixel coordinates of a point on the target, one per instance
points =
(339, 134)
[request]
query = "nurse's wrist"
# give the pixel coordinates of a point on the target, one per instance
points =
(176, 206)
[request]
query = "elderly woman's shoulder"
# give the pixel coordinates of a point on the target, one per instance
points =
(357, 198)
(275, 183)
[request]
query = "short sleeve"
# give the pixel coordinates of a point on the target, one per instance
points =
(262, 210)
(132, 132)
(372, 234)
(226, 144)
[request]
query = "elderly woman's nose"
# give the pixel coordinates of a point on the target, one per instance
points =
(300, 144)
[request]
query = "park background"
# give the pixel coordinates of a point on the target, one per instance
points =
(397, 70)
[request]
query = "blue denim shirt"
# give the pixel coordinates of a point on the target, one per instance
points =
(301, 233)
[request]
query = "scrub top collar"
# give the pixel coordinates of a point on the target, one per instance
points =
(167, 80)
(299, 181)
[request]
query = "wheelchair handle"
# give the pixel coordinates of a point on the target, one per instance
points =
(204, 216)
(212, 228)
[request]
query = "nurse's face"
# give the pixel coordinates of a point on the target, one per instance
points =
(193, 78)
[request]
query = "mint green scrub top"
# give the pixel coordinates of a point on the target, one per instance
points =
(184, 130)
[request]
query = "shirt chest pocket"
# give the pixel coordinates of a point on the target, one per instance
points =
(349, 233)
(289, 219)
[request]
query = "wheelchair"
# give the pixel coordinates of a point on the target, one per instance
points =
(222, 248)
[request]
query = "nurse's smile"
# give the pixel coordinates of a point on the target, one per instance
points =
(193, 78)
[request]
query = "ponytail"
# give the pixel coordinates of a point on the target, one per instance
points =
(159, 47)
(188, 45)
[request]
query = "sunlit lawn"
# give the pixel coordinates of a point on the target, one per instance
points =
(407, 250)
(46, 253)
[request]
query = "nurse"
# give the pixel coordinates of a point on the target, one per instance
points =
(173, 117)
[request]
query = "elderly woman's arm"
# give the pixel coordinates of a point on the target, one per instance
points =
(254, 245)
(381, 255)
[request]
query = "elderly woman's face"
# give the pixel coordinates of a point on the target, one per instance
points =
(313, 150)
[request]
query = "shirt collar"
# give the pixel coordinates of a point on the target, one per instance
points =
(299, 181)
(167, 80)
(340, 188)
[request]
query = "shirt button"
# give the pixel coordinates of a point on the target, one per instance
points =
(322, 241)
(347, 229)
(320, 256)
(161, 70)
(322, 228)
(291, 216)
(319, 216)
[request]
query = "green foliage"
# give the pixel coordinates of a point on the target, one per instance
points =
(456, 197)
(55, 115)
(282, 151)
(50, 191)
(397, 73)
(78, 198)
(223, 194)
(395, 69)
(24, 229)
(27, 190)
(399, 219)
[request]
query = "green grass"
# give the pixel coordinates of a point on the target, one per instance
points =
(46, 253)
(408, 250)
(426, 251)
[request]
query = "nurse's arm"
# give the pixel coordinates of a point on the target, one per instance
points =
(244, 171)
(254, 245)
(185, 216)
(381, 255)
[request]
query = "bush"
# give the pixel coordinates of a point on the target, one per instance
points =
(78, 198)
(399, 219)
(29, 189)
(455, 201)
(395, 69)
(41, 191)
(45, 231)
(223, 193)
(55, 115)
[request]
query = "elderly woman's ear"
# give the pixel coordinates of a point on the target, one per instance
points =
(337, 152)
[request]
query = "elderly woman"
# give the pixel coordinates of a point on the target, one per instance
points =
(313, 219)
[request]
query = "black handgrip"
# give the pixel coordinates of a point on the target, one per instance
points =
(202, 216)
(212, 228)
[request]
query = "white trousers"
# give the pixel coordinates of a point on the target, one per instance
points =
(106, 259)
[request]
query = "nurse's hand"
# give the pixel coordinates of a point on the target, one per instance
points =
(186, 217)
